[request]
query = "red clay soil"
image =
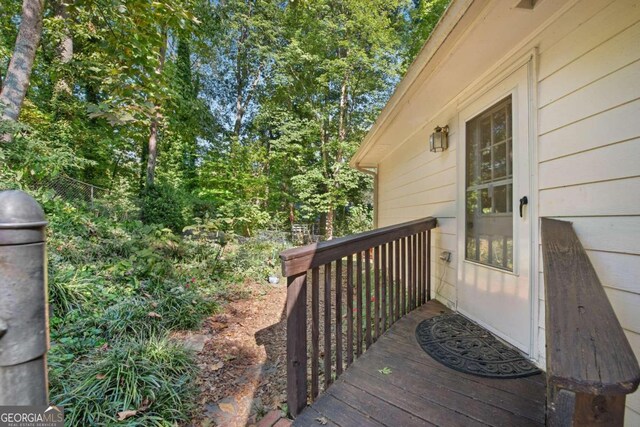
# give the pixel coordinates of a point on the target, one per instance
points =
(243, 363)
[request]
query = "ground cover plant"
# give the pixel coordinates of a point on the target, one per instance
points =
(117, 291)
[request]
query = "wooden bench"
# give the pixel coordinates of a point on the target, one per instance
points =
(590, 364)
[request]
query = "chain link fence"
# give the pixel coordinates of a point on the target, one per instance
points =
(72, 189)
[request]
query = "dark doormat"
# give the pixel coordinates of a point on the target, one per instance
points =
(458, 343)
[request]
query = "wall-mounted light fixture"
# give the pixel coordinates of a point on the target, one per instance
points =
(439, 139)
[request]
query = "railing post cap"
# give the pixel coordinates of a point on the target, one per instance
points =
(20, 210)
(22, 217)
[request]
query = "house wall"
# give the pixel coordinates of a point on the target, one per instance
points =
(588, 151)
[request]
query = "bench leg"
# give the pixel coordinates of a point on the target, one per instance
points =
(568, 409)
(598, 410)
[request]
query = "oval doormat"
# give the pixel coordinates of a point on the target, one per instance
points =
(458, 343)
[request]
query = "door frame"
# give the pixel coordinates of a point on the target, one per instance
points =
(474, 93)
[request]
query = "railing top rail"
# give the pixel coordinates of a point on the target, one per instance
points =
(587, 350)
(299, 260)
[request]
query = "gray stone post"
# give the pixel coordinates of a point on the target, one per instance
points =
(24, 319)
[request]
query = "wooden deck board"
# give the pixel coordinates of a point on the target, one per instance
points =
(420, 391)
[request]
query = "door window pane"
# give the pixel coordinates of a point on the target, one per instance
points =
(489, 184)
(500, 199)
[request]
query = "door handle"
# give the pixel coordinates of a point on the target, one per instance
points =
(523, 201)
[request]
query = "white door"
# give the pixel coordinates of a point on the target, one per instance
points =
(494, 241)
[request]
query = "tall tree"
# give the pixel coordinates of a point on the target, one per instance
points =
(64, 50)
(342, 60)
(152, 150)
(16, 82)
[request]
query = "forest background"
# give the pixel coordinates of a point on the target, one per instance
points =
(191, 117)
(245, 112)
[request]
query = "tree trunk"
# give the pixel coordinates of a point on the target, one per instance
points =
(342, 125)
(328, 230)
(152, 155)
(16, 82)
(64, 50)
(339, 159)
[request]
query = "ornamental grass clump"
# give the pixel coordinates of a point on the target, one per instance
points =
(146, 383)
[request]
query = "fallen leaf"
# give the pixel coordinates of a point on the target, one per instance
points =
(101, 376)
(385, 370)
(154, 304)
(126, 414)
(227, 407)
(322, 420)
(217, 366)
(154, 314)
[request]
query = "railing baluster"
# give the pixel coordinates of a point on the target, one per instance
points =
(391, 283)
(315, 332)
(416, 247)
(411, 253)
(405, 282)
(420, 269)
(415, 271)
(327, 325)
(367, 298)
(425, 261)
(383, 291)
(428, 265)
(349, 310)
(359, 304)
(338, 317)
(297, 342)
(398, 284)
(376, 293)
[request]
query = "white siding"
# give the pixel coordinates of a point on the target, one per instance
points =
(415, 183)
(588, 145)
(589, 153)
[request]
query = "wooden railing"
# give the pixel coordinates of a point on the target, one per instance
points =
(590, 364)
(398, 282)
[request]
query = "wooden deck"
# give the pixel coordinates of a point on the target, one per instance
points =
(420, 391)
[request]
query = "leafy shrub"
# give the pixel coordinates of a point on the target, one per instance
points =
(359, 219)
(163, 204)
(153, 378)
(257, 258)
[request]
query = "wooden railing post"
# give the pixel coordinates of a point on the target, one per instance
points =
(428, 265)
(297, 343)
(591, 366)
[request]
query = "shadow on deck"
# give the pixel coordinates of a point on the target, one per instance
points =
(420, 391)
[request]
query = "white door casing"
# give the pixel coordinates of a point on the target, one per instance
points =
(500, 300)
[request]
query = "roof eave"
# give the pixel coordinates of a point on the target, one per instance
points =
(448, 21)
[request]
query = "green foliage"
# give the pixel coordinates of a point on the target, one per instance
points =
(258, 257)
(259, 104)
(117, 289)
(154, 378)
(162, 204)
(423, 18)
(31, 157)
(358, 220)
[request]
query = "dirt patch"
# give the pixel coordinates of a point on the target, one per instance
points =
(243, 362)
